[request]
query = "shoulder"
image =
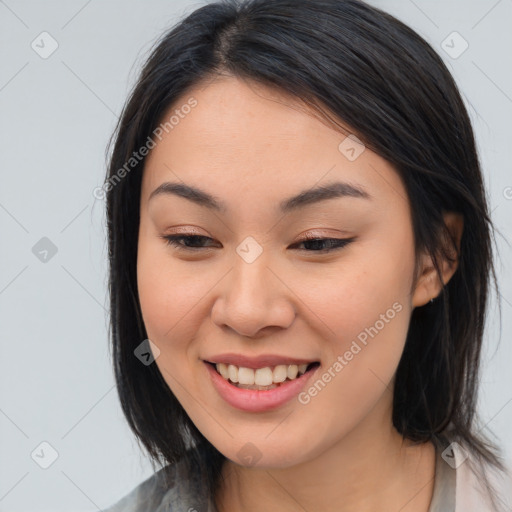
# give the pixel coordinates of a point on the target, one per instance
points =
(177, 487)
(472, 493)
(146, 496)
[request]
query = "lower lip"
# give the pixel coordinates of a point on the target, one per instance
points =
(253, 400)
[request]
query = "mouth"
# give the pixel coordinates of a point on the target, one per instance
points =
(256, 388)
(262, 379)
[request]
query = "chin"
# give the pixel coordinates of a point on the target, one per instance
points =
(263, 453)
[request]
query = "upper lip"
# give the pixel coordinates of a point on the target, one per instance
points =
(260, 361)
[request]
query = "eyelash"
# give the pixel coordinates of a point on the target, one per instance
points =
(339, 243)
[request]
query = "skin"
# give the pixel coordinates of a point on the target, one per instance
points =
(253, 147)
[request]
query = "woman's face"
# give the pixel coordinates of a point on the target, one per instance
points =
(255, 287)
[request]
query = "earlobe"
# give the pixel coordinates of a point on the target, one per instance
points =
(428, 285)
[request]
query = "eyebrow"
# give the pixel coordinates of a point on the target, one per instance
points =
(307, 197)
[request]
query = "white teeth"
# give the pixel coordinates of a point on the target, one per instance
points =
(265, 378)
(246, 376)
(280, 373)
(233, 373)
(223, 370)
(293, 369)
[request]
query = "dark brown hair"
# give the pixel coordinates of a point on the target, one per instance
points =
(355, 64)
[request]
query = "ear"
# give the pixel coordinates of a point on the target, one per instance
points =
(428, 285)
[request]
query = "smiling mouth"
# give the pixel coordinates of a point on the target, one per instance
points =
(262, 379)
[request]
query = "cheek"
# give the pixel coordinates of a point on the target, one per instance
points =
(364, 323)
(363, 310)
(171, 307)
(169, 291)
(366, 339)
(354, 299)
(373, 294)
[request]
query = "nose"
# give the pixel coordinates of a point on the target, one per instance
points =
(253, 300)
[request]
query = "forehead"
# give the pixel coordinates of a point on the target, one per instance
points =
(258, 142)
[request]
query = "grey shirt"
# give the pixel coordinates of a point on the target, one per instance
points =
(186, 491)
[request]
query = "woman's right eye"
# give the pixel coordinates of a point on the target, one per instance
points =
(174, 240)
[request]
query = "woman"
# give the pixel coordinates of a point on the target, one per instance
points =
(300, 255)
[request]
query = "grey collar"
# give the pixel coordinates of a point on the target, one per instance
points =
(443, 497)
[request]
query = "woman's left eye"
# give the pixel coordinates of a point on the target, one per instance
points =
(332, 243)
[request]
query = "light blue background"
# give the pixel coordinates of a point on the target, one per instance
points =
(56, 115)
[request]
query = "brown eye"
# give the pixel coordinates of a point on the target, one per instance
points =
(324, 244)
(192, 242)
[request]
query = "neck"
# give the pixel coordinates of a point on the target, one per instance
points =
(368, 470)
